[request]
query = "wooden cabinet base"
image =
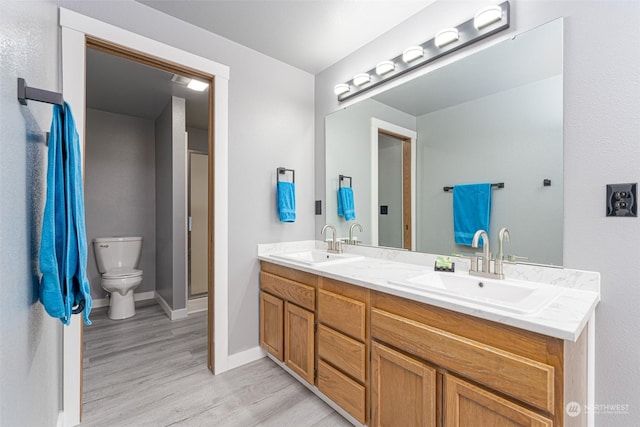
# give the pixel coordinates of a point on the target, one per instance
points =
(467, 404)
(403, 390)
(338, 387)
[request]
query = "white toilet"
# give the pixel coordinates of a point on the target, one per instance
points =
(118, 259)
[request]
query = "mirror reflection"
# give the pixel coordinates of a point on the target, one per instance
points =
(491, 117)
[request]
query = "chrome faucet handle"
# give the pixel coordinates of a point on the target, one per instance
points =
(472, 258)
(514, 258)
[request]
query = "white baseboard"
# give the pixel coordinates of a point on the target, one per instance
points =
(197, 305)
(171, 314)
(60, 422)
(140, 296)
(244, 357)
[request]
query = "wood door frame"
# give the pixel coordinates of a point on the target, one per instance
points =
(409, 137)
(76, 29)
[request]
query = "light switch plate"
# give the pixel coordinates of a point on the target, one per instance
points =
(622, 200)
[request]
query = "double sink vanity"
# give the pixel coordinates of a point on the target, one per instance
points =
(388, 341)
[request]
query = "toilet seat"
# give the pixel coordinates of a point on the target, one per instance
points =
(122, 273)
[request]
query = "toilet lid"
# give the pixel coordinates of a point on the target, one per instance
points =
(120, 273)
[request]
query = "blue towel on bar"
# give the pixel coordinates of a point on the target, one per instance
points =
(287, 201)
(471, 210)
(64, 287)
(346, 206)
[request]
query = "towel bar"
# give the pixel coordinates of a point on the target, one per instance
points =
(343, 177)
(25, 92)
(496, 185)
(282, 171)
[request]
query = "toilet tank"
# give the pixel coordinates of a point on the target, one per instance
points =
(117, 252)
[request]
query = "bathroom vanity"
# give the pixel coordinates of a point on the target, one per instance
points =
(385, 354)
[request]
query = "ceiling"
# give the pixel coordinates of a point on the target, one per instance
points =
(126, 87)
(307, 34)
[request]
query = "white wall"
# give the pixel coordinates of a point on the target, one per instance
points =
(120, 188)
(30, 340)
(270, 125)
(601, 134)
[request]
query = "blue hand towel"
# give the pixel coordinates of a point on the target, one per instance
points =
(63, 247)
(346, 205)
(286, 201)
(471, 210)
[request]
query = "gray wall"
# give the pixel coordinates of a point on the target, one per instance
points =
(170, 203)
(120, 188)
(456, 147)
(198, 139)
(30, 341)
(350, 151)
(601, 134)
(390, 191)
(270, 124)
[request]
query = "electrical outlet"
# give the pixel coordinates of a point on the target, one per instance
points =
(622, 200)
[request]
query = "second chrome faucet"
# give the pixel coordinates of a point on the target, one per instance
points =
(498, 271)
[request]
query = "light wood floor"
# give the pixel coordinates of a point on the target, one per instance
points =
(150, 371)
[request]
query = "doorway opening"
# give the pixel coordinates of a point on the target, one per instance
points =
(157, 193)
(394, 190)
(393, 185)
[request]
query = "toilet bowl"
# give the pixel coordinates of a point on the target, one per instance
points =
(117, 259)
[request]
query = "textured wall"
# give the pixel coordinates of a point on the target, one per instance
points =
(601, 134)
(30, 341)
(120, 188)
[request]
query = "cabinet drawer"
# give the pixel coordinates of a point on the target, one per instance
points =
(289, 273)
(341, 313)
(297, 293)
(347, 393)
(342, 352)
(522, 378)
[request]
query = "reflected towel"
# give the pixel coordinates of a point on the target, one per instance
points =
(286, 201)
(471, 210)
(346, 205)
(63, 246)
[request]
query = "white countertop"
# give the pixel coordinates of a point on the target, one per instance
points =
(565, 317)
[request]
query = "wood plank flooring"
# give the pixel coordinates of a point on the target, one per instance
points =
(150, 371)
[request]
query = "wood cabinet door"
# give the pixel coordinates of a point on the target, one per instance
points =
(403, 390)
(299, 340)
(272, 325)
(467, 405)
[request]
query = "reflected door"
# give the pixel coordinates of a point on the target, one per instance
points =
(198, 223)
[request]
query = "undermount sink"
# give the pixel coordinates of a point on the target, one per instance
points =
(318, 257)
(512, 295)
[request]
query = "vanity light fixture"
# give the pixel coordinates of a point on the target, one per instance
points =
(412, 53)
(485, 23)
(360, 79)
(385, 67)
(487, 16)
(446, 36)
(341, 88)
(197, 85)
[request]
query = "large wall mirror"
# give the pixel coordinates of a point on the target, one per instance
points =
(493, 116)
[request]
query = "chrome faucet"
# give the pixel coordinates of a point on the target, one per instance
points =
(333, 246)
(486, 255)
(354, 225)
(503, 235)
